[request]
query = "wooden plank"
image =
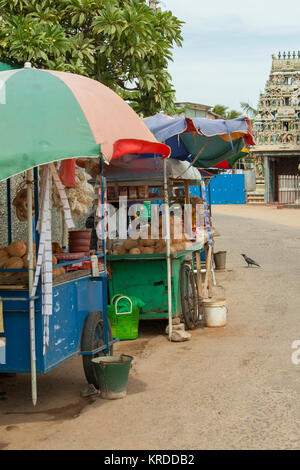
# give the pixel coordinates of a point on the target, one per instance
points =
(207, 281)
(199, 275)
(210, 280)
(13, 287)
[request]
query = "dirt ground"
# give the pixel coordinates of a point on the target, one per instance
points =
(227, 388)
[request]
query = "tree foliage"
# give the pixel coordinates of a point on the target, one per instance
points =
(124, 44)
(249, 110)
(225, 113)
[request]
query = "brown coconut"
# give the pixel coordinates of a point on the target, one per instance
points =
(26, 261)
(59, 271)
(17, 249)
(135, 251)
(3, 254)
(129, 244)
(14, 262)
(3, 260)
(147, 250)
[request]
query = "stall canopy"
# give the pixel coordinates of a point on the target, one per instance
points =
(48, 115)
(135, 168)
(205, 142)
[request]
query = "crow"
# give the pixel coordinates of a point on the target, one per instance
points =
(249, 261)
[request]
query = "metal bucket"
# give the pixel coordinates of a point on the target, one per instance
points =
(215, 312)
(112, 375)
(220, 259)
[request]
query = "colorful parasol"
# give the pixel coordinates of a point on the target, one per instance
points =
(48, 115)
(205, 142)
(228, 164)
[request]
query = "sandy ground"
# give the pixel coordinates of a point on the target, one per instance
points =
(268, 213)
(226, 388)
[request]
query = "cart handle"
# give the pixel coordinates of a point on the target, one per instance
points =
(116, 305)
(114, 297)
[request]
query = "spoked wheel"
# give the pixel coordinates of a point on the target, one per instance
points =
(189, 297)
(93, 338)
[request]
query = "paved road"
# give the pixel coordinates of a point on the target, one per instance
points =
(228, 388)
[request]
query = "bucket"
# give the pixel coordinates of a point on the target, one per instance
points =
(215, 312)
(112, 375)
(220, 259)
(125, 321)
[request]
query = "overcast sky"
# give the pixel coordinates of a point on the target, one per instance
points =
(227, 47)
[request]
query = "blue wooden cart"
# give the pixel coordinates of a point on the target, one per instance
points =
(47, 116)
(78, 325)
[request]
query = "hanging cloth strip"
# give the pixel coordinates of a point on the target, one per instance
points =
(44, 258)
(47, 266)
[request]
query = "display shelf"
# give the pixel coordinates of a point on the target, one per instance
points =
(141, 257)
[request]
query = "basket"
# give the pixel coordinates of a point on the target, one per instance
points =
(124, 324)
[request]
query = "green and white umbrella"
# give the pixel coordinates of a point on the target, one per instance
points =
(47, 115)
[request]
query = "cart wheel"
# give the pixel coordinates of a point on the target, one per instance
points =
(92, 338)
(190, 303)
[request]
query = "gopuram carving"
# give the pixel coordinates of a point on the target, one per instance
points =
(277, 123)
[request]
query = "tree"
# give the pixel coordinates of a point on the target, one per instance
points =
(220, 110)
(249, 110)
(233, 114)
(124, 44)
(224, 113)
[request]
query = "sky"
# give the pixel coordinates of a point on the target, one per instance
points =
(227, 49)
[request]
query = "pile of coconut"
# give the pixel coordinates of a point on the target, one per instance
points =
(151, 246)
(15, 256)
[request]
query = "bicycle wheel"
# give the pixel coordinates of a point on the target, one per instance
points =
(189, 297)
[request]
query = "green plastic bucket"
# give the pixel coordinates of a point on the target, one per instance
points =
(124, 315)
(112, 375)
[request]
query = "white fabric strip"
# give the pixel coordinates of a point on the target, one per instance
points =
(206, 212)
(44, 259)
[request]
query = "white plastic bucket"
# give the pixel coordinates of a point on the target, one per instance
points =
(215, 312)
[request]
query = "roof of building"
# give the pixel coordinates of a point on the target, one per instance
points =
(194, 105)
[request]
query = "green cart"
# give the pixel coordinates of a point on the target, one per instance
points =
(146, 276)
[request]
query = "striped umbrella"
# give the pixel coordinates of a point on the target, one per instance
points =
(47, 115)
(228, 164)
(205, 142)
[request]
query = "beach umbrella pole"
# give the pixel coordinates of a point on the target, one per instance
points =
(167, 211)
(31, 277)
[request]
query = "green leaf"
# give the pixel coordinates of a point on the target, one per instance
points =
(123, 43)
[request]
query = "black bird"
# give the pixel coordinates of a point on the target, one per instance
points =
(249, 261)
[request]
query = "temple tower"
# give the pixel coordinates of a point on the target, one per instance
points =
(277, 130)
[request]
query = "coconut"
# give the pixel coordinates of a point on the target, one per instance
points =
(135, 251)
(17, 249)
(129, 244)
(14, 263)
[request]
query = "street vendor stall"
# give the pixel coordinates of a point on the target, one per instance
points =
(160, 274)
(141, 266)
(204, 143)
(53, 301)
